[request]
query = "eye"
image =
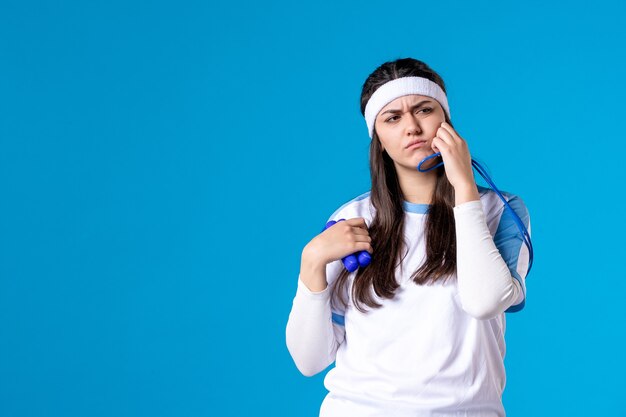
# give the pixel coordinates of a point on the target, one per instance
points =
(425, 108)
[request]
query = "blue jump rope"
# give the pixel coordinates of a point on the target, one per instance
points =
(363, 258)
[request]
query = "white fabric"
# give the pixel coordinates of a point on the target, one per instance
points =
(398, 87)
(486, 287)
(432, 350)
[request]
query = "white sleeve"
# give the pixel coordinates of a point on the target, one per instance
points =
(485, 283)
(312, 335)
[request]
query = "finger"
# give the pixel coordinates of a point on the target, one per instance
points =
(358, 222)
(440, 144)
(445, 135)
(451, 130)
(360, 231)
(433, 145)
(362, 238)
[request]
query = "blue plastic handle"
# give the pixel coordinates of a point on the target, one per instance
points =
(352, 262)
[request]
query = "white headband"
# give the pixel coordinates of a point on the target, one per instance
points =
(402, 86)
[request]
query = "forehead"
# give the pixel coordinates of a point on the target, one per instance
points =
(407, 100)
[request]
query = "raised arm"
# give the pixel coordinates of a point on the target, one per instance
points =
(486, 285)
(313, 332)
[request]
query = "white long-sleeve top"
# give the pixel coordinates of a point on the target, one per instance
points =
(432, 349)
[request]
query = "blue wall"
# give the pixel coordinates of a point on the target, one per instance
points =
(162, 165)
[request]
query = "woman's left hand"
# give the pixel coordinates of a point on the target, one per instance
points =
(456, 156)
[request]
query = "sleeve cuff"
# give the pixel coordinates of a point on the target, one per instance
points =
(468, 206)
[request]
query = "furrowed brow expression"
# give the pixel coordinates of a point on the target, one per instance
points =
(393, 114)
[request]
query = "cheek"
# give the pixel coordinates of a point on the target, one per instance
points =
(432, 129)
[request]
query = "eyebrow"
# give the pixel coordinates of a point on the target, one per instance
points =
(412, 107)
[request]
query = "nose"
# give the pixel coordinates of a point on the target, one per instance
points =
(413, 125)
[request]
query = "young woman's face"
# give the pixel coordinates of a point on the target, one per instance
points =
(404, 120)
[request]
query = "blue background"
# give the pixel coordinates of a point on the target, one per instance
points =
(162, 165)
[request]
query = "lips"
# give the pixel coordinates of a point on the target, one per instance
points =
(415, 142)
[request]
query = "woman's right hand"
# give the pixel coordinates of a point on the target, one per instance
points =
(338, 241)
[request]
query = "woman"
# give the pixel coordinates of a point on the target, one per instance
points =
(447, 262)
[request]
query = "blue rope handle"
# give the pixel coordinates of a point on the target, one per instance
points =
(518, 221)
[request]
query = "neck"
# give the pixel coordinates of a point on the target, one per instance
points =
(417, 187)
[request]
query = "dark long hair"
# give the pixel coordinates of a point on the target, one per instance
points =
(386, 228)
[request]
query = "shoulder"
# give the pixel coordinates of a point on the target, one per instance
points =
(359, 206)
(494, 207)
